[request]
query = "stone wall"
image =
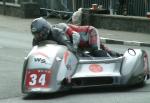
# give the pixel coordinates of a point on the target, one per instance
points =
(117, 22)
(25, 10)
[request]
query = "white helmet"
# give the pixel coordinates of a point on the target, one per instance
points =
(77, 17)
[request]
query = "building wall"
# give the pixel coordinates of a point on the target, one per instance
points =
(117, 22)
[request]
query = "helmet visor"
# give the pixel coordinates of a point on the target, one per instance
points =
(40, 35)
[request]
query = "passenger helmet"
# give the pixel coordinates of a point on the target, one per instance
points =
(77, 17)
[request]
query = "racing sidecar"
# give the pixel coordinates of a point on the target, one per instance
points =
(50, 68)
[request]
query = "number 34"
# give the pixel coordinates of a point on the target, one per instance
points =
(34, 79)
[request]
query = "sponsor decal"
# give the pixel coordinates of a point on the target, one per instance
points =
(70, 61)
(40, 60)
(37, 78)
(66, 54)
(95, 68)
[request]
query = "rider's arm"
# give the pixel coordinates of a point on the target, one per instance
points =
(63, 39)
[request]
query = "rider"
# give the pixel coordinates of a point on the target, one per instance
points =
(73, 36)
(43, 30)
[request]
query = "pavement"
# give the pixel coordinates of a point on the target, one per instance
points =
(107, 36)
(125, 38)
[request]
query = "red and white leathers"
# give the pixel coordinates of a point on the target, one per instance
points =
(82, 36)
(85, 38)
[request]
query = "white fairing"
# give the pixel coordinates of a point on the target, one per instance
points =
(84, 70)
(60, 62)
(42, 57)
(67, 66)
(133, 65)
(132, 61)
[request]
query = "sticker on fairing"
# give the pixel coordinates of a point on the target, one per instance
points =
(37, 78)
(66, 54)
(95, 68)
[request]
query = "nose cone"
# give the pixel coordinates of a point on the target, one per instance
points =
(37, 80)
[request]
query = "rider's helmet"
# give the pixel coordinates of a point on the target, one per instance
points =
(40, 28)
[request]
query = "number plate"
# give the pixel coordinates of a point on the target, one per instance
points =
(37, 78)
